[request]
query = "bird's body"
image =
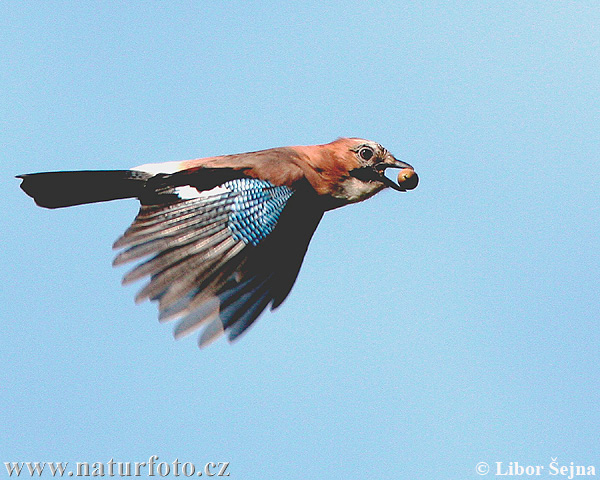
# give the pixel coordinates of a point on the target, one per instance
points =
(223, 237)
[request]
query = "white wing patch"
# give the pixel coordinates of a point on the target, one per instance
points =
(154, 168)
(188, 192)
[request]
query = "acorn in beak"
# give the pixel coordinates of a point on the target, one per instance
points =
(407, 177)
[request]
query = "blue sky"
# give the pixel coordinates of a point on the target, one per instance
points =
(428, 331)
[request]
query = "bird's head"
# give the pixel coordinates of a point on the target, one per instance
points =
(364, 164)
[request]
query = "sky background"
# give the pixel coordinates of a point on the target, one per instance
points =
(428, 331)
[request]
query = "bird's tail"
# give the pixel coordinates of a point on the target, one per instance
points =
(65, 189)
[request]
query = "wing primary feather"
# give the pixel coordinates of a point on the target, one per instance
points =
(161, 281)
(198, 317)
(248, 317)
(203, 284)
(210, 333)
(245, 298)
(164, 243)
(170, 227)
(176, 255)
(235, 297)
(190, 321)
(175, 220)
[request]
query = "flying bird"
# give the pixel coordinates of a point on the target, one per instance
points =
(222, 238)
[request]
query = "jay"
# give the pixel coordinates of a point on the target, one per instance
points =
(222, 238)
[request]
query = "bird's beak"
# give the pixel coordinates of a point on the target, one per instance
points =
(407, 177)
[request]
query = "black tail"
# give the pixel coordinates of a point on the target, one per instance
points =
(65, 189)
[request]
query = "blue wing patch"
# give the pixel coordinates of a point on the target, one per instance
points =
(256, 208)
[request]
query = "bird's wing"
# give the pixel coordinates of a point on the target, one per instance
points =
(219, 246)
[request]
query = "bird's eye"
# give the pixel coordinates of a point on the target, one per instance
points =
(366, 153)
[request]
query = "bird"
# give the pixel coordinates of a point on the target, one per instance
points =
(222, 238)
